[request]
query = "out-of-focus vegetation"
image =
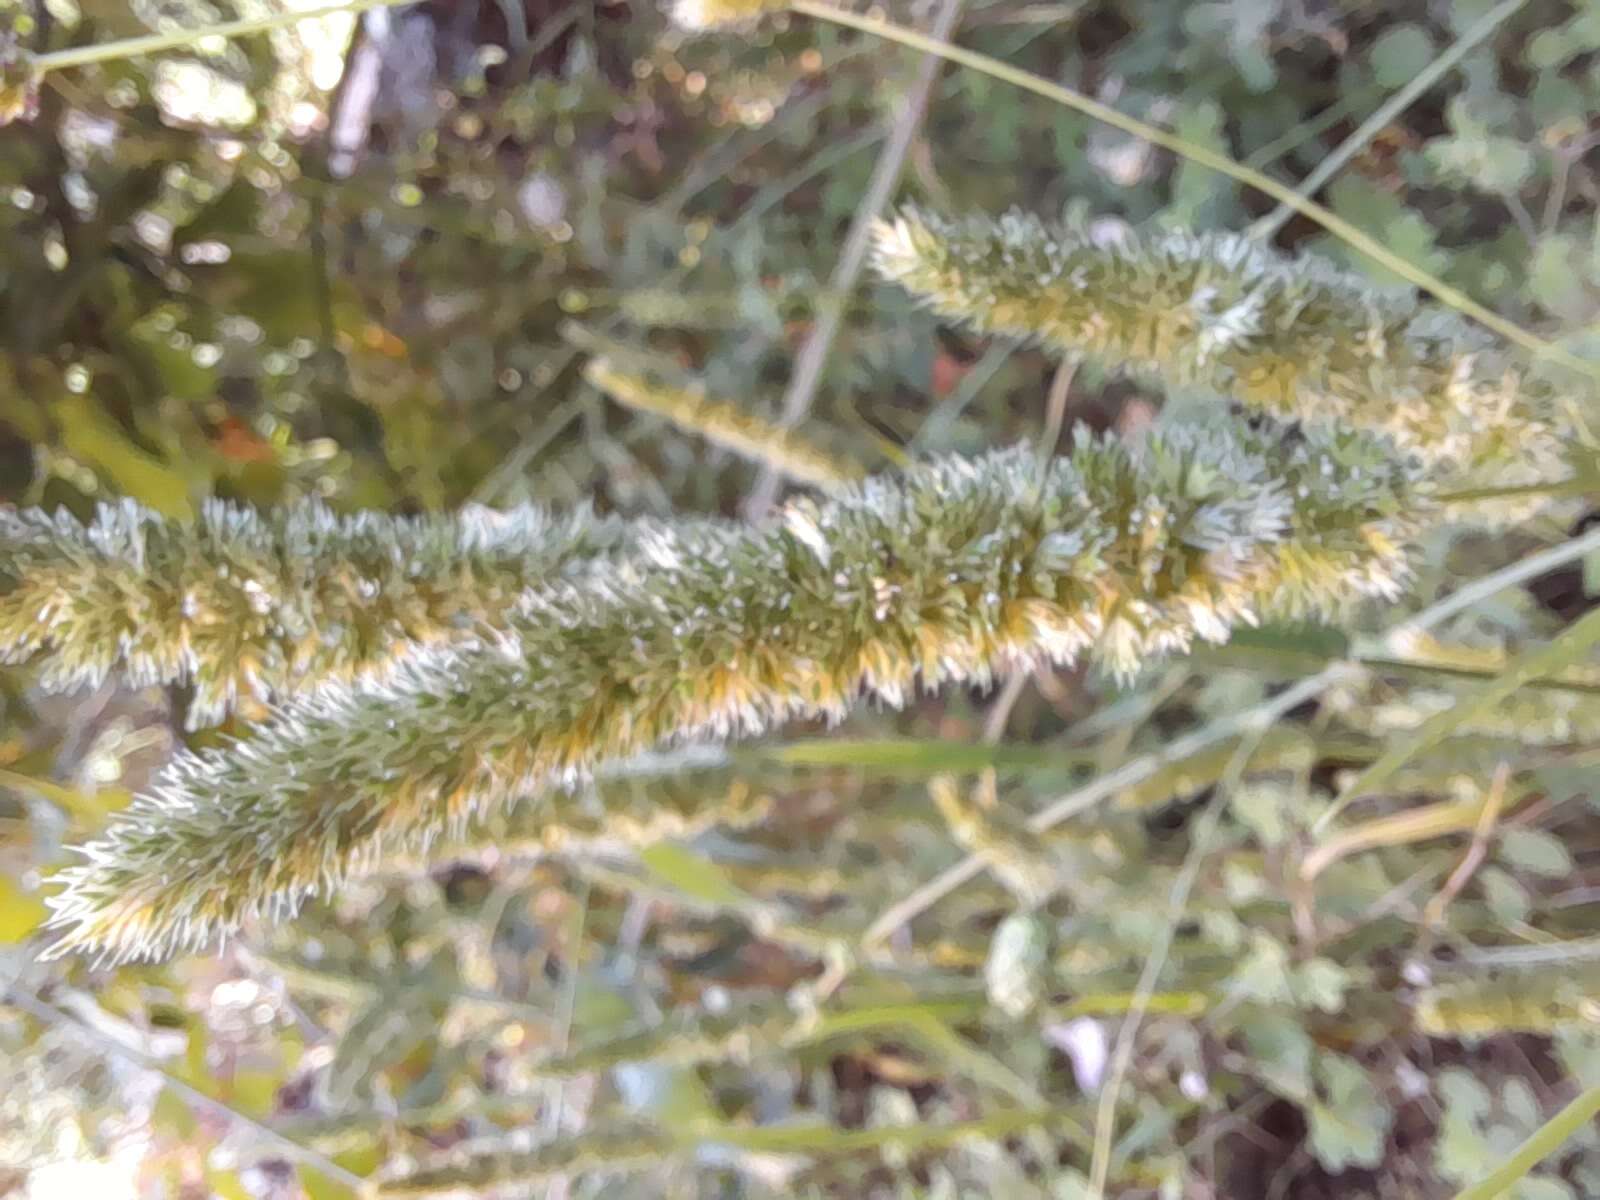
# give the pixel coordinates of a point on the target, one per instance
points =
(366, 262)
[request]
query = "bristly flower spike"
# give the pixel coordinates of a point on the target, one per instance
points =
(1292, 337)
(949, 573)
(247, 607)
(725, 425)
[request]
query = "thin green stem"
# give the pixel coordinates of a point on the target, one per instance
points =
(823, 161)
(1279, 663)
(1545, 1141)
(1105, 1124)
(330, 984)
(557, 1087)
(934, 430)
(1403, 666)
(1386, 112)
(1296, 136)
(1481, 589)
(496, 485)
(1331, 221)
(812, 359)
(718, 161)
(830, 1139)
(178, 39)
(1555, 487)
(773, 194)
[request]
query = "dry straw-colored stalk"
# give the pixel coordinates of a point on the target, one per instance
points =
(248, 607)
(948, 574)
(1296, 338)
(724, 424)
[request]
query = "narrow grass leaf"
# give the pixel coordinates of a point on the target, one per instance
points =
(693, 874)
(924, 757)
(1545, 1141)
(1565, 650)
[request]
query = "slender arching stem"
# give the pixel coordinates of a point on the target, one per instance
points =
(178, 39)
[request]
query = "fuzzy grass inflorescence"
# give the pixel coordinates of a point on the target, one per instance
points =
(949, 573)
(725, 425)
(247, 607)
(1296, 338)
